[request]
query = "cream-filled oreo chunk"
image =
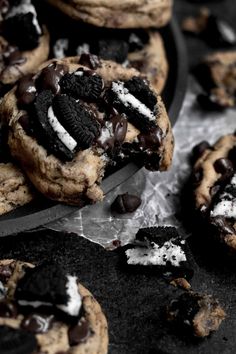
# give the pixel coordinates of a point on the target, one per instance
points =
(159, 249)
(46, 310)
(80, 121)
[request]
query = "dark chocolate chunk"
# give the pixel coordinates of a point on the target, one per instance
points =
(50, 76)
(8, 309)
(6, 271)
(140, 89)
(26, 91)
(79, 333)
(81, 125)
(199, 313)
(224, 166)
(82, 84)
(199, 149)
(152, 140)
(37, 323)
(126, 203)
(43, 130)
(89, 60)
(45, 283)
(219, 33)
(116, 127)
(16, 341)
(21, 31)
(111, 49)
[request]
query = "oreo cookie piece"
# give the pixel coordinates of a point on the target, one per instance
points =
(22, 28)
(16, 341)
(200, 314)
(140, 89)
(82, 84)
(79, 122)
(44, 130)
(137, 111)
(49, 285)
(159, 250)
(112, 49)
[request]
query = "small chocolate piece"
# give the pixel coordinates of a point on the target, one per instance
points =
(8, 309)
(199, 149)
(201, 314)
(111, 49)
(89, 60)
(26, 90)
(79, 333)
(50, 76)
(126, 203)
(16, 341)
(224, 166)
(37, 323)
(113, 133)
(6, 272)
(152, 140)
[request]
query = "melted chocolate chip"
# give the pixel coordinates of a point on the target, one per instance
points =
(26, 90)
(151, 140)
(5, 272)
(224, 166)
(25, 123)
(116, 129)
(90, 60)
(50, 77)
(8, 310)
(37, 323)
(79, 333)
(126, 203)
(199, 149)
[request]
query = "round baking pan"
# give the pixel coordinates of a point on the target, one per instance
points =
(43, 211)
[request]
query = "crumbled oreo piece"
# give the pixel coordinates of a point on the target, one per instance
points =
(140, 89)
(113, 49)
(45, 283)
(198, 313)
(126, 203)
(159, 250)
(78, 121)
(21, 31)
(136, 111)
(44, 131)
(82, 84)
(16, 341)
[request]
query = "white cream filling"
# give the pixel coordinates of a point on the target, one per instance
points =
(129, 100)
(156, 255)
(61, 132)
(227, 204)
(74, 304)
(60, 47)
(24, 8)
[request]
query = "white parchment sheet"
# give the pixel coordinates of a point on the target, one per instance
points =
(160, 192)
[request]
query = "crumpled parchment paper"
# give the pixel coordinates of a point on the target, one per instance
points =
(160, 192)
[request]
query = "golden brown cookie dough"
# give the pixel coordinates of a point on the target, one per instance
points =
(15, 189)
(77, 181)
(56, 338)
(121, 14)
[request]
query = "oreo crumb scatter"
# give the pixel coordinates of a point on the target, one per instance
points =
(159, 249)
(200, 314)
(82, 84)
(16, 341)
(126, 203)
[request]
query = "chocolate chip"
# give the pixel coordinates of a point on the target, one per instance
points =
(16, 341)
(199, 149)
(37, 323)
(26, 91)
(8, 309)
(79, 333)
(50, 76)
(126, 203)
(90, 60)
(110, 49)
(6, 272)
(224, 166)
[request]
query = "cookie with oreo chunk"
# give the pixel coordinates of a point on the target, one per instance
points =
(213, 184)
(198, 314)
(35, 325)
(77, 130)
(159, 250)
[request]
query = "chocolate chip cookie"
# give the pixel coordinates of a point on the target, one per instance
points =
(143, 50)
(214, 187)
(76, 117)
(45, 309)
(113, 14)
(24, 42)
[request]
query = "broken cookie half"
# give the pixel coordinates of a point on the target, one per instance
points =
(76, 117)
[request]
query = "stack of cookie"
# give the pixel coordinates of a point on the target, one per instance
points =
(96, 104)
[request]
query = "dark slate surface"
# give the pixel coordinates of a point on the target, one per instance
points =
(134, 303)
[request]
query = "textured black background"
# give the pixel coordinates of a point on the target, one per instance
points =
(134, 304)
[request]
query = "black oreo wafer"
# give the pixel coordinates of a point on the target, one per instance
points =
(16, 341)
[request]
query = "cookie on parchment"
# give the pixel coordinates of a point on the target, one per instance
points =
(118, 14)
(79, 115)
(24, 42)
(45, 309)
(214, 184)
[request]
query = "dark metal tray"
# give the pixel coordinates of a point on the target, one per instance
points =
(43, 211)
